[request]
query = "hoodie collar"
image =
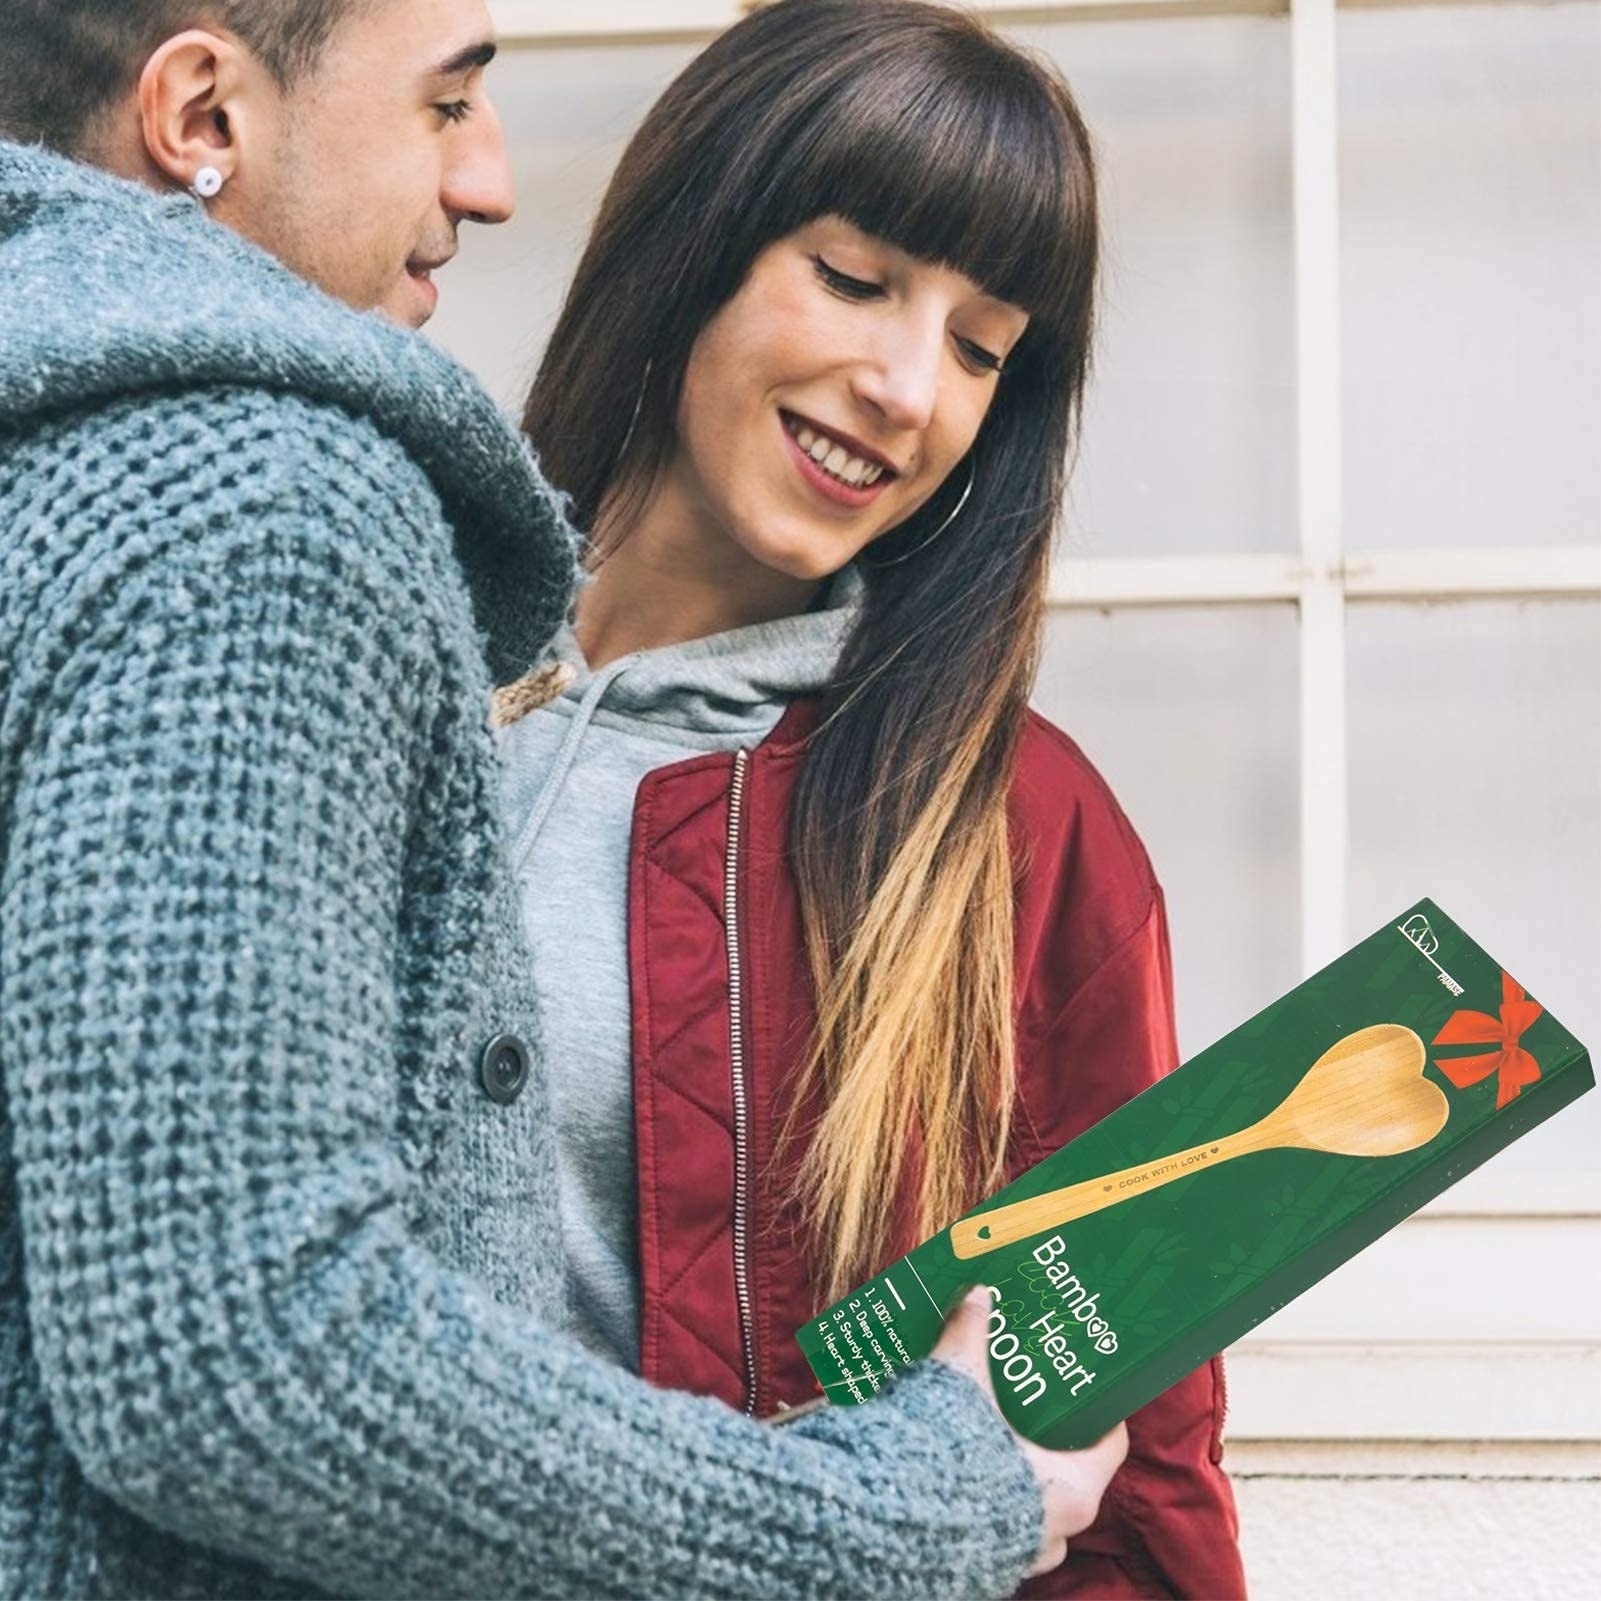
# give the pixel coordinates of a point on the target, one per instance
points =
(725, 683)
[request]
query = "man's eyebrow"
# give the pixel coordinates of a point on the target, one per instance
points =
(464, 61)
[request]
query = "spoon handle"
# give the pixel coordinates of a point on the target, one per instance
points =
(989, 1231)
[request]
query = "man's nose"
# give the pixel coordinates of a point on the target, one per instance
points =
(478, 184)
(899, 375)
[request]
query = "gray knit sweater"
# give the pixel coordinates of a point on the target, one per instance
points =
(276, 1271)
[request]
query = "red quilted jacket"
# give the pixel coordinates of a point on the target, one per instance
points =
(722, 1009)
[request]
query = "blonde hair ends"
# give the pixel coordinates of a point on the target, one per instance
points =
(914, 1047)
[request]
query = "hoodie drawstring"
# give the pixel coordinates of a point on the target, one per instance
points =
(565, 757)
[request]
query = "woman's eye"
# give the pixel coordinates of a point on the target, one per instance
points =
(843, 284)
(455, 110)
(978, 356)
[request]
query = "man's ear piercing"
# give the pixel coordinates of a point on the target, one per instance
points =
(207, 183)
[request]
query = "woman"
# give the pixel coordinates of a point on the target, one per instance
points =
(856, 936)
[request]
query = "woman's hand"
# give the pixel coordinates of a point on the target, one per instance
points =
(1071, 1482)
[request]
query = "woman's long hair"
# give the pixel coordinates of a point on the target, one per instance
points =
(918, 125)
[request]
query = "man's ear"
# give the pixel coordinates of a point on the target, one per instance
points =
(195, 104)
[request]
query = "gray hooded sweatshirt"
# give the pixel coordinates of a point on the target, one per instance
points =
(572, 769)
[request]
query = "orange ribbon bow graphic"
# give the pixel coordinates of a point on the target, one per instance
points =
(1515, 1065)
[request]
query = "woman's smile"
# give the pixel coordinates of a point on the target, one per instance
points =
(841, 471)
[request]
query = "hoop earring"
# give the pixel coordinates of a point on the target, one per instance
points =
(955, 512)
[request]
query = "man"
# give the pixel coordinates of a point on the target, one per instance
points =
(277, 1193)
(357, 178)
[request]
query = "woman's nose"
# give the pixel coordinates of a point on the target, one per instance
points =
(899, 375)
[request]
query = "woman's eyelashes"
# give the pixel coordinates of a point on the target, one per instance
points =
(863, 289)
(985, 360)
(843, 284)
(454, 110)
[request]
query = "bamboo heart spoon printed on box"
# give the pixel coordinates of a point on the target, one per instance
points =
(1365, 1096)
(1166, 1231)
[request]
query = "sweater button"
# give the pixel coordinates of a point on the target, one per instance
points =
(503, 1068)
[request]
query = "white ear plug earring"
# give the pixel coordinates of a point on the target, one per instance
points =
(206, 184)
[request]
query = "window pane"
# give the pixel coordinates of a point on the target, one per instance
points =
(1470, 156)
(1190, 715)
(1190, 428)
(1475, 742)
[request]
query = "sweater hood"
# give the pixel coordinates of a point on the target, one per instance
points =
(724, 683)
(714, 693)
(112, 290)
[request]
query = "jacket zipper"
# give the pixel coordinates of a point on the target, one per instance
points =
(736, 1027)
(1222, 1408)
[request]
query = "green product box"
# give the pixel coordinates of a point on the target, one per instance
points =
(1164, 1233)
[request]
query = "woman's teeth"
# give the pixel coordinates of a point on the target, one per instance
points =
(835, 460)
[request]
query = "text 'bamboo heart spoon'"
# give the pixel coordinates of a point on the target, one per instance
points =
(1365, 1096)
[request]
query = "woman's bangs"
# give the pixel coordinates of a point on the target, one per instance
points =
(979, 176)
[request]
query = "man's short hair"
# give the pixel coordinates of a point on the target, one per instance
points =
(63, 62)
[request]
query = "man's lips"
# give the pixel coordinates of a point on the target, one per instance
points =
(425, 287)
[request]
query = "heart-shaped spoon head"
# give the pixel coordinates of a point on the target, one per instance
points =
(1365, 1096)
